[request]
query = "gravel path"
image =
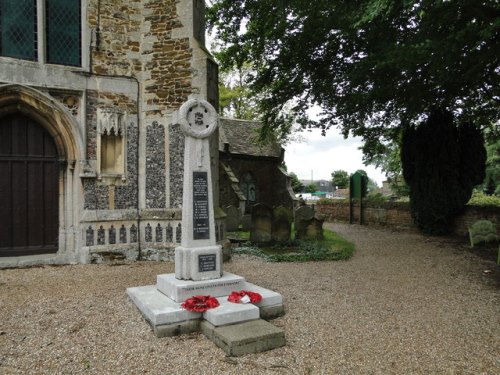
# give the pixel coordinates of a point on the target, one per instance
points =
(404, 304)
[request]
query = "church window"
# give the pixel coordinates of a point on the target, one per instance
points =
(52, 35)
(18, 29)
(63, 36)
(248, 187)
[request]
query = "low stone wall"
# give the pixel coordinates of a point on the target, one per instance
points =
(397, 214)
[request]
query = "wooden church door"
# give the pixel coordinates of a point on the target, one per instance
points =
(29, 176)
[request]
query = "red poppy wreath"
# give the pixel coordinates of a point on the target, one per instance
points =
(200, 303)
(244, 296)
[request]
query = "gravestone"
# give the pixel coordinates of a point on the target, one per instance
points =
(232, 219)
(262, 221)
(282, 224)
(303, 215)
(313, 229)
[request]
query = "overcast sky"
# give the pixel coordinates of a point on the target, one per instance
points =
(322, 155)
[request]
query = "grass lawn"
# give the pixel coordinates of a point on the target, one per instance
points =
(332, 247)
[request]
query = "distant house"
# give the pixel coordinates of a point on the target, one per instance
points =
(323, 186)
(341, 193)
(250, 172)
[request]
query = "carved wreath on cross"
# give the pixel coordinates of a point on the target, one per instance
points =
(198, 118)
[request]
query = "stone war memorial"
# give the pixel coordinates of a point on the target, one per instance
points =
(237, 328)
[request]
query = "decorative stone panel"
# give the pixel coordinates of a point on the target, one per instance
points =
(126, 195)
(96, 197)
(91, 119)
(176, 165)
(155, 166)
(72, 102)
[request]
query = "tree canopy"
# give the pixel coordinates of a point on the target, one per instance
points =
(389, 161)
(297, 186)
(235, 97)
(311, 188)
(340, 179)
(370, 65)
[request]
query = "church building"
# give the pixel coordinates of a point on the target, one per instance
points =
(91, 164)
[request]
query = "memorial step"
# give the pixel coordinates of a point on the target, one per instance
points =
(231, 313)
(157, 308)
(180, 290)
(244, 338)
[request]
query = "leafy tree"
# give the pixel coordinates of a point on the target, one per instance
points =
(370, 65)
(297, 186)
(442, 162)
(340, 179)
(371, 185)
(311, 188)
(235, 98)
(389, 160)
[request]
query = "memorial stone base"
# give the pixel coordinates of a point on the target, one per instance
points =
(160, 305)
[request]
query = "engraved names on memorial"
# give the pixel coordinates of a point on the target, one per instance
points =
(207, 263)
(201, 223)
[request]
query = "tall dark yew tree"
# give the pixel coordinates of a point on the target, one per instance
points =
(442, 162)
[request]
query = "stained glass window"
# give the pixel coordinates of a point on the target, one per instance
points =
(63, 27)
(18, 29)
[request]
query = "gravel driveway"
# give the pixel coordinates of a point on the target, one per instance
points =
(404, 304)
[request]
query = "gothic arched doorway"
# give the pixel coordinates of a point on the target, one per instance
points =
(29, 188)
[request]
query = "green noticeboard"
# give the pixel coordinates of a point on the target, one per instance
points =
(357, 185)
(357, 190)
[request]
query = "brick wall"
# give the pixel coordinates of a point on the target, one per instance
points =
(398, 215)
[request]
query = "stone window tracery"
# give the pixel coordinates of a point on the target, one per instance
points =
(111, 143)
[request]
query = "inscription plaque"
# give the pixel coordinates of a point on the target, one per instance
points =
(201, 224)
(207, 263)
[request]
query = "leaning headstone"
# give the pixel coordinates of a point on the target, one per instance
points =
(232, 218)
(282, 224)
(262, 220)
(303, 215)
(314, 229)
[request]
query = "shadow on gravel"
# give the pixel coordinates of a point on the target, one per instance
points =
(488, 252)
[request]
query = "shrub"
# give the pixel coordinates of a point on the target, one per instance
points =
(480, 199)
(331, 200)
(376, 199)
